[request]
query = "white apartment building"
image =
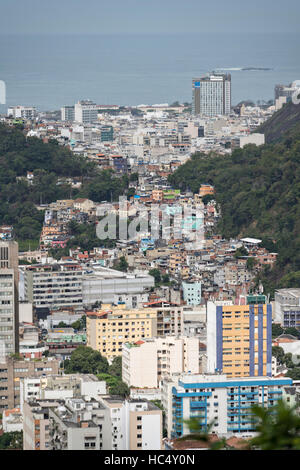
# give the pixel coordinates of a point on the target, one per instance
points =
(68, 113)
(135, 424)
(52, 285)
(23, 112)
(163, 357)
(110, 423)
(85, 112)
(78, 424)
(111, 286)
(61, 387)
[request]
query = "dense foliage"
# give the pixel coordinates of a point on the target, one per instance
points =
(84, 360)
(11, 441)
(113, 378)
(258, 191)
(283, 122)
(278, 428)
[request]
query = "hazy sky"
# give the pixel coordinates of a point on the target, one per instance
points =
(149, 16)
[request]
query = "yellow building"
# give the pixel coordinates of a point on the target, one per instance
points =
(239, 339)
(206, 189)
(176, 260)
(112, 326)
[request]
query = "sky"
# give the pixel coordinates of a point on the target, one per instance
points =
(148, 16)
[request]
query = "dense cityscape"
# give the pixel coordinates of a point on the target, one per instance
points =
(115, 342)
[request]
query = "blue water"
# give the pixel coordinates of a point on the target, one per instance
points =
(51, 71)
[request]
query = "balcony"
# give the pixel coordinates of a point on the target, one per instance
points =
(197, 404)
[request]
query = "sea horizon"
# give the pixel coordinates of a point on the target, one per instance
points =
(128, 69)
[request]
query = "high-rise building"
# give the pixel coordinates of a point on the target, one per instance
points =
(212, 95)
(68, 113)
(9, 298)
(85, 112)
(163, 356)
(239, 339)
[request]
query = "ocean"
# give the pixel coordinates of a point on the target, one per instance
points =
(50, 71)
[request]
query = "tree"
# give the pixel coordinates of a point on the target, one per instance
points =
(276, 330)
(278, 428)
(242, 251)
(156, 274)
(207, 198)
(251, 262)
(197, 433)
(292, 331)
(122, 265)
(293, 373)
(119, 388)
(115, 385)
(85, 360)
(278, 352)
(11, 441)
(115, 368)
(288, 361)
(79, 324)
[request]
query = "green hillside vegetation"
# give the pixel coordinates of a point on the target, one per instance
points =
(258, 191)
(284, 122)
(51, 164)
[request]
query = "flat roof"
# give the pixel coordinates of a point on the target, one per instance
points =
(255, 241)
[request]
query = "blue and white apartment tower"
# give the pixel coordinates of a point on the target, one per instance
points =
(223, 402)
(239, 339)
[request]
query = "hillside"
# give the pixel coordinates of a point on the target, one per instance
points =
(284, 123)
(50, 163)
(258, 189)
